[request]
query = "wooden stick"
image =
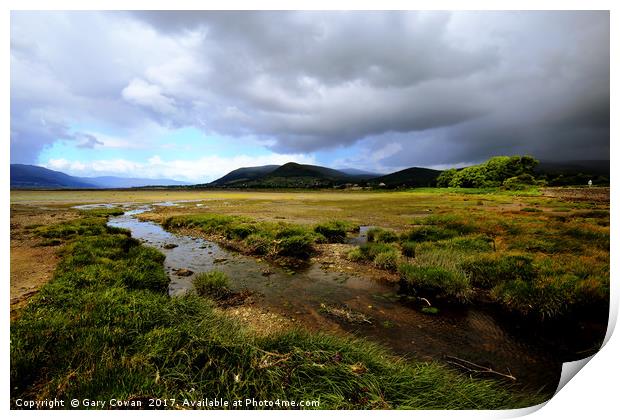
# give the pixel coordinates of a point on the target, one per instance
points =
(476, 368)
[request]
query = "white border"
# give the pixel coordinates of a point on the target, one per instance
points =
(591, 395)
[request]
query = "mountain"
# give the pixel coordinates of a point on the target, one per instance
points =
(597, 167)
(31, 176)
(119, 182)
(360, 172)
(296, 175)
(289, 175)
(411, 177)
(293, 169)
(244, 174)
(574, 172)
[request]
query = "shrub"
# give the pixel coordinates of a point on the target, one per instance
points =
(408, 249)
(442, 282)
(388, 260)
(300, 246)
(213, 283)
(478, 243)
(371, 250)
(356, 255)
(258, 244)
(521, 182)
(381, 235)
(333, 231)
(428, 233)
(544, 298)
(451, 222)
(240, 230)
(489, 270)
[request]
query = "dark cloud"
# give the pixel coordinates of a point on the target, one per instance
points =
(441, 87)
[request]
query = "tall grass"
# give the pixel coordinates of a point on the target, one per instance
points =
(92, 333)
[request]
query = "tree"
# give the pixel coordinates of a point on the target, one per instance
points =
(444, 178)
(492, 173)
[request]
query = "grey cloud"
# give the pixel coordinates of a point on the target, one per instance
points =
(87, 141)
(447, 87)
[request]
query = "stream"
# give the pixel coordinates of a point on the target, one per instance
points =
(471, 334)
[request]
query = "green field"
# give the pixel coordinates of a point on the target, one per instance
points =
(105, 326)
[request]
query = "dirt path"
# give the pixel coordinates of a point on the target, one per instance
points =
(32, 265)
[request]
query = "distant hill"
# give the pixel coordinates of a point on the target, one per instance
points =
(598, 167)
(289, 175)
(32, 176)
(293, 169)
(574, 172)
(296, 175)
(244, 175)
(119, 182)
(360, 172)
(411, 177)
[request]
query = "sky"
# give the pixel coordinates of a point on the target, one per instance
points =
(193, 95)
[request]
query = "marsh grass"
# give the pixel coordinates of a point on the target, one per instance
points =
(334, 231)
(260, 238)
(530, 263)
(441, 282)
(377, 234)
(213, 283)
(104, 327)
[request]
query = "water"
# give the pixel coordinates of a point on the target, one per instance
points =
(471, 334)
(361, 238)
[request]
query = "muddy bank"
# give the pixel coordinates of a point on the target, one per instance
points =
(32, 261)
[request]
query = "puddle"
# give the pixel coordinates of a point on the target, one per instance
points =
(469, 334)
(361, 238)
(174, 203)
(97, 206)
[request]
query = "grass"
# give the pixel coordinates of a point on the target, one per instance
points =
(528, 263)
(104, 327)
(213, 283)
(261, 238)
(381, 235)
(441, 282)
(271, 239)
(334, 231)
(382, 255)
(460, 225)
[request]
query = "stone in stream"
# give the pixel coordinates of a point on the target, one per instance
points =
(170, 246)
(183, 272)
(219, 260)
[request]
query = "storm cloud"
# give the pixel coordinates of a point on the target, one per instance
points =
(406, 88)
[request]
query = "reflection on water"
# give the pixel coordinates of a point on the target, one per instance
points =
(469, 334)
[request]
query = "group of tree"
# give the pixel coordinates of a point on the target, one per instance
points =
(511, 172)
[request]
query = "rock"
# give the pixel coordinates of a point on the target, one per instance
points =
(183, 272)
(170, 246)
(266, 272)
(219, 260)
